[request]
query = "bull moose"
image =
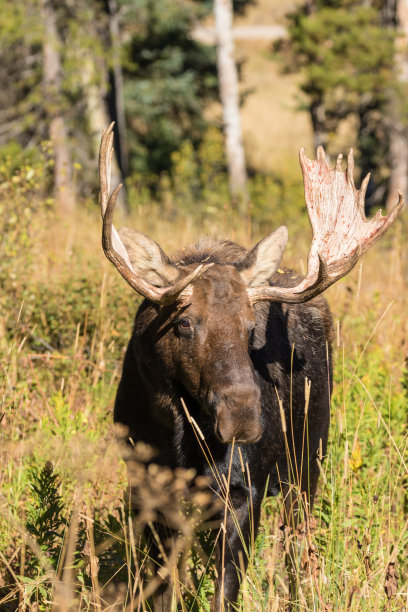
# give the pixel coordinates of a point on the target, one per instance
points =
(243, 344)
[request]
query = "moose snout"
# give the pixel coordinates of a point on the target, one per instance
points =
(239, 418)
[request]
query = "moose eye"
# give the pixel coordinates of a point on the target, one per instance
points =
(184, 323)
(184, 327)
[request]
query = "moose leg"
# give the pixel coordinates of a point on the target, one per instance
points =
(162, 544)
(233, 547)
(163, 597)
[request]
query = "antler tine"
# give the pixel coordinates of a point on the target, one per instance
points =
(341, 232)
(113, 246)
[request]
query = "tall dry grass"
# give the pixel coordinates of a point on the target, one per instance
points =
(68, 539)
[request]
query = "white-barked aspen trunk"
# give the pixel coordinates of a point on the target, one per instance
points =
(63, 186)
(228, 80)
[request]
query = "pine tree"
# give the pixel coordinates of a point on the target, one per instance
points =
(345, 53)
(117, 59)
(169, 79)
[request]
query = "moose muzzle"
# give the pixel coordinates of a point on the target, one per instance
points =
(238, 415)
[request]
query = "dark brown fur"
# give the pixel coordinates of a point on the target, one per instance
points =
(231, 369)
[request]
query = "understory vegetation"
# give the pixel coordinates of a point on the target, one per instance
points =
(67, 536)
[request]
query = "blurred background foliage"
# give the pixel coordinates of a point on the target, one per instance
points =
(345, 52)
(69, 68)
(138, 62)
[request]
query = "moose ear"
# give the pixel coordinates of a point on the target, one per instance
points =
(264, 258)
(147, 258)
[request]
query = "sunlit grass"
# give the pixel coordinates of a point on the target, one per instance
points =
(64, 324)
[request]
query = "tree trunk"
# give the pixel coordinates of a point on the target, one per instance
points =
(228, 79)
(320, 133)
(398, 158)
(98, 119)
(63, 186)
(367, 137)
(117, 87)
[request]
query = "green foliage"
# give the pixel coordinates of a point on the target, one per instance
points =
(46, 524)
(198, 187)
(404, 380)
(20, 50)
(23, 189)
(170, 78)
(345, 53)
(45, 515)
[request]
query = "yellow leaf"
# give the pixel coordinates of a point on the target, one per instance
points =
(356, 460)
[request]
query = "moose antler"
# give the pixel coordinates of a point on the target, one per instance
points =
(341, 232)
(113, 246)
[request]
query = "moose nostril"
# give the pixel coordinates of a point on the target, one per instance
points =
(251, 437)
(243, 430)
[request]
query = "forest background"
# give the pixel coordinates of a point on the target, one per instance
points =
(337, 75)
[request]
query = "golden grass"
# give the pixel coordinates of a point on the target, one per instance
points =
(270, 110)
(57, 405)
(67, 420)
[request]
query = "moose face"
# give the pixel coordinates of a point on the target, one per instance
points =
(206, 347)
(209, 341)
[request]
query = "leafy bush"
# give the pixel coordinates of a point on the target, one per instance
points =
(198, 188)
